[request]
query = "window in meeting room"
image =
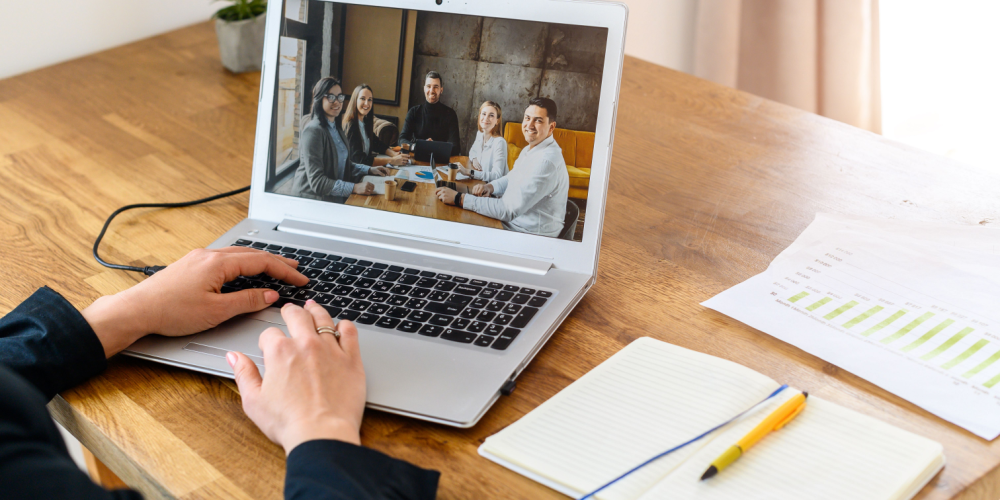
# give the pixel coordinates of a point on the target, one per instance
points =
(940, 64)
(291, 68)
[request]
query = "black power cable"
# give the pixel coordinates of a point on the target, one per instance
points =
(150, 270)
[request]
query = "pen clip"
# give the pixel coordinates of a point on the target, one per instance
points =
(792, 415)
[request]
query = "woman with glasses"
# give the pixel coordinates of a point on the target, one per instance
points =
(488, 155)
(325, 170)
(359, 127)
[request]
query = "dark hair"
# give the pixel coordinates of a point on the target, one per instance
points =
(436, 76)
(320, 90)
(351, 110)
(548, 104)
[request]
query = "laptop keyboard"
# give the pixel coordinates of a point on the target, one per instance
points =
(487, 314)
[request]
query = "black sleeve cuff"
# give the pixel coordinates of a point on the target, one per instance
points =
(47, 341)
(330, 469)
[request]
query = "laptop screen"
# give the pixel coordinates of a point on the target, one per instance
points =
(369, 98)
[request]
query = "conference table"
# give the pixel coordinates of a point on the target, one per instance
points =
(422, 201)
(736, 179)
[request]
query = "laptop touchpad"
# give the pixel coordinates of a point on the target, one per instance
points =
(238, 334)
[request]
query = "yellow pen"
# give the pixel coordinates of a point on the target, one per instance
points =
(776, 420)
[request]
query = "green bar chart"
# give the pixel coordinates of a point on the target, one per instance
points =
(907, 329)
(819, 303)
(885, 322)
(863, 316)
(929, 335)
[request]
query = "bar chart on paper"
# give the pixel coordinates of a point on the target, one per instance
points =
(892, 312)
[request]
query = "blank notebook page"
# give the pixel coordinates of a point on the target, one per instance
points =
(645, 399)
(827, 452)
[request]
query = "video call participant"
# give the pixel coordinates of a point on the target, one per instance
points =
(326, 171)
(488, 154)
(359, 127)
(310, 401)
(432, 120)
(532, 197)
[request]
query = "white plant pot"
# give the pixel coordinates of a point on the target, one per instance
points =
(241, 43)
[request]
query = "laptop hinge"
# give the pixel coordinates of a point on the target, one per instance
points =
(412, 245)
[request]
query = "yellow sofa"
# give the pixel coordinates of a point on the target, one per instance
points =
(577, 149)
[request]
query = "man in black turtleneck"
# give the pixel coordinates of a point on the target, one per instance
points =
(432, 120)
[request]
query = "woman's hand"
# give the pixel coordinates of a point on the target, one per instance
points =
(446, 195)
(314, 387)
(364, 188)
(399, 160)
(482, 189)
(475, 164)
(185, 298)
(379, 171)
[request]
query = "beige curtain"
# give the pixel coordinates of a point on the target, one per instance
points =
(817, 55)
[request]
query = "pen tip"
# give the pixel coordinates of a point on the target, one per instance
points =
(709, 473)
(805, 394)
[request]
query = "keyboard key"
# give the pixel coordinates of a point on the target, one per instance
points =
(478, 282)
(493, 330)
(342, 290)
(486, 316)
(438, 296)
(476, 326)
(396, 269)
(441, 320)
(334, 311)
(523, 317)
(408, 326)
(282, 302)
(341, 302)
(408, 279)
(360, 305)
(348, 260)
(529, 291)
(321, 287)
(259, 245)
(346, 280)
(511, 309)
(319, 264)
(242, 243)
(379, 309)
(427, 282)
(304, 252)
(443, 308)
(372, 273)
(537, 302)
(443, 276)
(458, 336)
(470, 313)
(421, 316)
(398, 312)
(380, 297)
(382, 286)
(419, 293)
(495, 306)
(488, 293)
(510, 333)
(416, 303)
(379, 265)
(398, 300)
(303, 261)
(479, 303)
(349, 315)
(461, 323)
(274, 247)
(511, 288)
(337, 267)
(502, 319)
(367, 319)
(459, 299)
(291, 250)
(520, 299)
(312, 273)
(401, 289)
(390, 276)
(505, 296)
(468, 289)
(431, 330)
(354, 270)
(428, 274)
(543, 293)
(288, 291)
(446, 286)
(495, 285)
(333, 258)
(364, 283)
(304, 294)
(323, 298)
(228, 289)
(365, 263)
(318, 255)
(460, 279)
(387, 322)
(360, 293)
(411, 271)
(501, 344)
(484, 341)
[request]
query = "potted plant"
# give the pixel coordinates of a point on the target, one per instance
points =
(240, 29)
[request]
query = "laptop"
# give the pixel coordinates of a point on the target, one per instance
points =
(425, 150)
(451, 305)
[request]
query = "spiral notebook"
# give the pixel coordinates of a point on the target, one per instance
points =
(651, 396)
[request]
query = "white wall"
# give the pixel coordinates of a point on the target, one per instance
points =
(38, 33)
(662, 31)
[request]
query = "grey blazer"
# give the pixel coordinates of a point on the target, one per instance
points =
(317, 175)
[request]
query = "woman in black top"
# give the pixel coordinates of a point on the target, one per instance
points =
(359, 127)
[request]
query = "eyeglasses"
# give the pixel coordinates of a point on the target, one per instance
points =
(335, 97)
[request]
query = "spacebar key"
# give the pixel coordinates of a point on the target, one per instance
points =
(523, 317)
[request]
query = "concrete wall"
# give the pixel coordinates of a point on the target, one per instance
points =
(509, 62)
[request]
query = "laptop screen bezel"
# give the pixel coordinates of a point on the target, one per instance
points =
(568, 255)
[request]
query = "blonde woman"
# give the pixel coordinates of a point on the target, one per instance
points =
(358, 123)
(488, 155)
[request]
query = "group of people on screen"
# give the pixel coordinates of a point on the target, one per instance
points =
(337, 150)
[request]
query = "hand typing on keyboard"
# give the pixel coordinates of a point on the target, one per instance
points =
(185, 297)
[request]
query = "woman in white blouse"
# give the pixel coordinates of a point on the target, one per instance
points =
(488, 155)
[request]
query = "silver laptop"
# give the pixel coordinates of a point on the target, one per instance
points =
(451, 305)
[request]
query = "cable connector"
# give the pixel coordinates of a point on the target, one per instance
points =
(151, 270)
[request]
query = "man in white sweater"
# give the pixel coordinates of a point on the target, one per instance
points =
(532, 197)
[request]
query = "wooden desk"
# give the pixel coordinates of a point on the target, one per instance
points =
(422, 201)
(740, 178)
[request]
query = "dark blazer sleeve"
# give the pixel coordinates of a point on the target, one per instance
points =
(356, 145)
(410, 126)
(335, 470)
(45, 347)
(454, 137)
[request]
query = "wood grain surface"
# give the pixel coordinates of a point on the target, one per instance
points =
(422, 201)
(737, 179)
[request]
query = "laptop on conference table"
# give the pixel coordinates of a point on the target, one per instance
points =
(448, 312)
